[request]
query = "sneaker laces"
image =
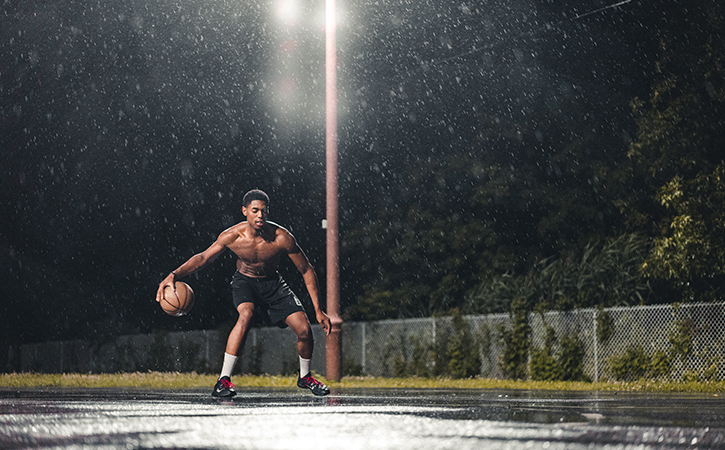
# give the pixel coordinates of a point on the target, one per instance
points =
(310, 380)
(226, 384)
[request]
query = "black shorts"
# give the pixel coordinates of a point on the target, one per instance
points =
(270, 295)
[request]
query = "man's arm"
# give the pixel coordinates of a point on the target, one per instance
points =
(300, 261)
(194, 264)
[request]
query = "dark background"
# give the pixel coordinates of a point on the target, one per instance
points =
(131, 130)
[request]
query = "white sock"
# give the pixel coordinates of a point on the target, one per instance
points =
(228, 367)
(304, 366)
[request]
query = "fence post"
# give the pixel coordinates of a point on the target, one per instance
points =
(596, 348)
(364, 349)
(206, 348)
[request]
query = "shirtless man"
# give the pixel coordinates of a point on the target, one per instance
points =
(259, 245)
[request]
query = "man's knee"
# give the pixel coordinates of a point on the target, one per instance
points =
(245, 314)
(305, 335)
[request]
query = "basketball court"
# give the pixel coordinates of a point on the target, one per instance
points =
(358, 419)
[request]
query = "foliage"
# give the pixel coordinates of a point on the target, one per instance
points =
(454, 353)
(187, 357)
(410, 357)
(677, 158)
(684, 346)
(535, 180)
(571, 359)
(564, 365)
(712, 368)
(161, 354)
(464, 360)
(291, 364)
(681, 337)
(605, 324)
(440, 225)
(420, 360)
(350, 368)
(606, 274)
(684, 351)
(516, 342)
(176, 380)
(544, 366)
(633, 364)
(563, 220)
(255, 358)
(484, 337)
(439, 351)
(660, 364)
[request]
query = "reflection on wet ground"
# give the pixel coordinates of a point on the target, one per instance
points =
(358, 418)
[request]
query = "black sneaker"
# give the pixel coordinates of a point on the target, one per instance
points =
(309, 382)
(223, 388)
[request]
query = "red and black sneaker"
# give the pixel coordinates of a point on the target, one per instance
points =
(309, 382)
(223, 388)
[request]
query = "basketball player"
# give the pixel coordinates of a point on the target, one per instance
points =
(259, 246)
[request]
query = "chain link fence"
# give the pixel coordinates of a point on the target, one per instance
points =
(685, 342)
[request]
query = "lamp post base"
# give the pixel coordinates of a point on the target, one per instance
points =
(333, 350)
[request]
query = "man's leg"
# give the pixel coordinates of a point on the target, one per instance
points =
(301, 326)
(305, 344)
(238, 335)
(235, 343)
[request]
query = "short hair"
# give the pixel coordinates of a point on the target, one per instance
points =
(255, 194)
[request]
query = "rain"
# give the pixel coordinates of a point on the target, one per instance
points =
(130, 131)
(490, 152)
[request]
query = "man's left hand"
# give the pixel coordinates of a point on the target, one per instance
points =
(324, 321)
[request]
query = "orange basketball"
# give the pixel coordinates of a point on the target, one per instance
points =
(180, 302)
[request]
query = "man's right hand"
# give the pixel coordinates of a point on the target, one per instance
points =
(168, 281)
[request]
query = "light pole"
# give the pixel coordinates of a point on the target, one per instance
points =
(333, 343)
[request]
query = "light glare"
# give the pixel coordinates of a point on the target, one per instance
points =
(288, 11)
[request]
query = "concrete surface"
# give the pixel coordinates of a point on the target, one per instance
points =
(358, 419)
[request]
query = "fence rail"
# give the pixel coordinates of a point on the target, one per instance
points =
(664, 341)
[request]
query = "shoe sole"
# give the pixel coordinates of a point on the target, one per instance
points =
(231, 394)
(315, 393)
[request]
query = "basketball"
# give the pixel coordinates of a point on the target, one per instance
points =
(180, 302)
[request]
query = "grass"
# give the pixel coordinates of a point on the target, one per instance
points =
(176, 380)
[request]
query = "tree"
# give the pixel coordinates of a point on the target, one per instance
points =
(678, 156)
(606, 274)
(514, 197)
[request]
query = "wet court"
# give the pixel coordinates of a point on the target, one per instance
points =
(358, 419)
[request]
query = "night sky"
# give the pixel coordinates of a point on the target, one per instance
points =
(131, 129)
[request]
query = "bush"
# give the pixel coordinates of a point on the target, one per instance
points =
(454, 353)
(632, 365)
(411, 363)
(516, 341)
(635, 364)
(255, 358)
(604, 273)
(544, 366)
(464, 360)
(605, 324)
(660, 364)
(161, 354)
(566, 365)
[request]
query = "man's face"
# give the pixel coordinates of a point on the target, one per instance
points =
(256, 213)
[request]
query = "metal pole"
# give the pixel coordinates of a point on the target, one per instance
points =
(334, 339)
(596, 348)
(364, 349)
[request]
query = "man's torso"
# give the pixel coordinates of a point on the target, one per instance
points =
(258, 255)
